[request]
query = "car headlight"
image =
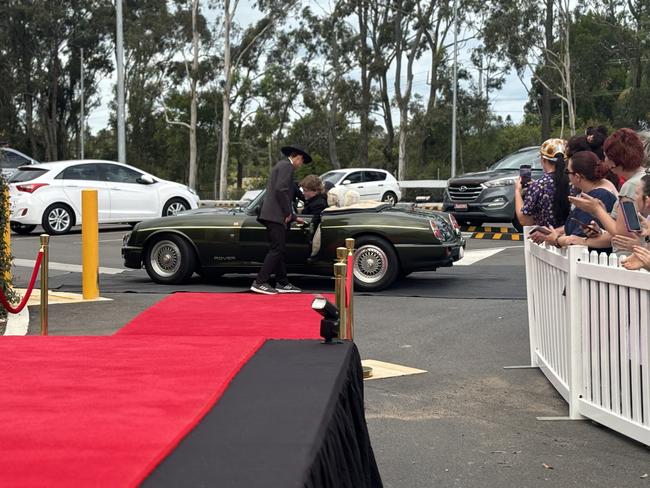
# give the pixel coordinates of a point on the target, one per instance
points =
(507, 181)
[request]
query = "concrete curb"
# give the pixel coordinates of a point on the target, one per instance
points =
(17, 324)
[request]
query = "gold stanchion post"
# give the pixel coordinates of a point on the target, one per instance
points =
(340, 274)
(349, 245)
(45, 264)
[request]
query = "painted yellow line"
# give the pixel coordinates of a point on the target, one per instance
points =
(479, 235)
(471, 228)
(516, 237)
(504, 230)
(497, 236)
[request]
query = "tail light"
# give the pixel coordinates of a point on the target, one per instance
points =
(454, 222)
(30, 187)
(434, 227)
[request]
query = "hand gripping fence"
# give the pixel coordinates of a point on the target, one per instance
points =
(30, 288)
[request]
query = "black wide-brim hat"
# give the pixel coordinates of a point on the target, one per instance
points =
(295, 148)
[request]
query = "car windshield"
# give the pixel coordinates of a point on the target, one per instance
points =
(254, 203)
(26, 174)
(332, 176)
(514, 161)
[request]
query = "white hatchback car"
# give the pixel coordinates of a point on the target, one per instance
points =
(49, 194)
(371, 184)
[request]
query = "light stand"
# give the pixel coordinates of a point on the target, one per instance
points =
(330, 323)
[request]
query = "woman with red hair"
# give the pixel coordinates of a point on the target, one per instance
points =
(624, 153)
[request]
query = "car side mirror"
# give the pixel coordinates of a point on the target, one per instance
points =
(146, 180)
(346, 182)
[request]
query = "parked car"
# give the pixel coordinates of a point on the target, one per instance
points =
(10, 160)
(372, 184)
(390, 242)
(489, 196)
(49, 194)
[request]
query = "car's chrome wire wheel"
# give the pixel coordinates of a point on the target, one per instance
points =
(175, 207)
(59, 219)
(165, 258)
(370, 263)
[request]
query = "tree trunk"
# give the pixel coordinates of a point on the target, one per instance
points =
(331, 136)
(546, 93)
(388, 122)
(225, 127)
(403, 129)
(193, 83)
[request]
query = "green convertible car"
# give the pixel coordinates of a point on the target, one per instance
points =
(390, 242)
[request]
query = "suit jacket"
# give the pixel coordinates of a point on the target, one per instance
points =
(315, 206)
(279, 193)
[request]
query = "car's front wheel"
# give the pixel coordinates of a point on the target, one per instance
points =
(375, 264)
(21, 229)
(170, 260)
(174, 206)
(58, 219)
(389, 197)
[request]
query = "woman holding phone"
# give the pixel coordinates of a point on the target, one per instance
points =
(545, 201)
(586, 173)
(624, 153)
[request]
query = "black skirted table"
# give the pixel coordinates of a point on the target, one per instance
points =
(292, 417)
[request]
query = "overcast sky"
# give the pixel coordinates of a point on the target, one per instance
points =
(509, 100)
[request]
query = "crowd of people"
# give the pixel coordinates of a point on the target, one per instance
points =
(595, 192)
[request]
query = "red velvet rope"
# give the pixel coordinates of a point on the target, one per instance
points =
(23, 302)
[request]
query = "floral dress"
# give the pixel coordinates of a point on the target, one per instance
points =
(538, 201)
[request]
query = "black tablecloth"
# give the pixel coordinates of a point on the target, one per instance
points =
(292, 417)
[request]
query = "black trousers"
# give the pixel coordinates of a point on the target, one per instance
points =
(274, 260)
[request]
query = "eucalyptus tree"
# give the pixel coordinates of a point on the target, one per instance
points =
(237, 44)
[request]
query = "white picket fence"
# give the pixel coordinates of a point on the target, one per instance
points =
(588, 322)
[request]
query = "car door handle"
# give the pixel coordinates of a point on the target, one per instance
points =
(115, 188)
(360, 186)
(380, 185)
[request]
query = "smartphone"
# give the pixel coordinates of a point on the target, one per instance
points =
(541, 230)
(630, 215)
(525, 174)
(587, 226)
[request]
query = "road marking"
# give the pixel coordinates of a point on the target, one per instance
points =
(472, 257)
(75, 268)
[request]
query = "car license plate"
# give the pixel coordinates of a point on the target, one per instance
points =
(460, 207)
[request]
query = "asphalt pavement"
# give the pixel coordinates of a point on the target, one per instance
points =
(467, 422)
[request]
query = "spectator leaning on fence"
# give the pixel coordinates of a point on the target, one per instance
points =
(586, 174)
(624, 154)
(544, 202)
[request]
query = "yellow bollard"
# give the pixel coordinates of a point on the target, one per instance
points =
(89, 245)
(45, 276)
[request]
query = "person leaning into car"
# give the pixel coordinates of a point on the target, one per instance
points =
(277, 214)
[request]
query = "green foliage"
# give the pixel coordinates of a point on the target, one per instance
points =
(5, 253)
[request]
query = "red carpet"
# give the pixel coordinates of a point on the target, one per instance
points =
(225, 314)
(104, 411)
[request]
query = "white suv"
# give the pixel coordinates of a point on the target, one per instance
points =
(371, 184)
(49, 194)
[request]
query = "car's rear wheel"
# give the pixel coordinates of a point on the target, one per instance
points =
(375, 264)
(389, 197)
(58, 219)
(174, 206)
(170, 260)
(21, 229)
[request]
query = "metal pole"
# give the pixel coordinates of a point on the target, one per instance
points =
(119, 55)
(45, 264)
(340, 273)
(455, 99)
(81, 116)
(349, 244)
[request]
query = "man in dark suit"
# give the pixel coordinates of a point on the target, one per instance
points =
(277, 214)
